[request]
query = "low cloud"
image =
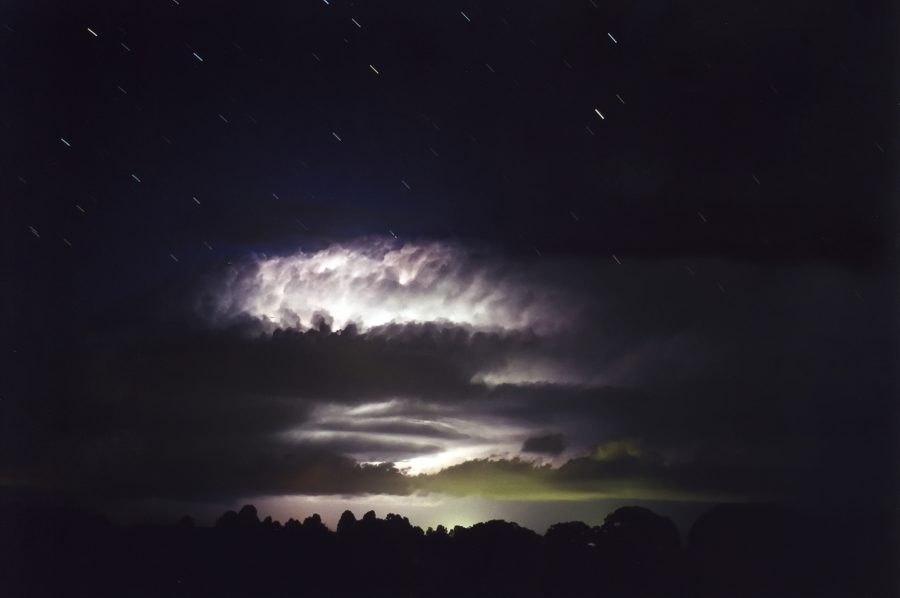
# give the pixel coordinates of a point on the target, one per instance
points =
(588, 477)
(548, 444)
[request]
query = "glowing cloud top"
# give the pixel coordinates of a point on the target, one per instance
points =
(373, 282)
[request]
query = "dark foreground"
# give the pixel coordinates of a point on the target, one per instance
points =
(731, 551)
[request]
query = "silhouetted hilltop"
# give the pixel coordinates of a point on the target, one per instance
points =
(732, 550)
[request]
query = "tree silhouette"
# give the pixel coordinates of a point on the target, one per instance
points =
(346, 523)
(732, 550)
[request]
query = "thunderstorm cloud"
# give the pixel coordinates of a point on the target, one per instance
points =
(377, 282)
(375, 367)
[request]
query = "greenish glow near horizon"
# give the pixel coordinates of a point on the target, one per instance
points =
(436, 509)
(540, 487)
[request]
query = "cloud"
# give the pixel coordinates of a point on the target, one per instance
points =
(395, 427)
(374, 282)
(581, 478)
(601, 476)
(778, 385)
(617, 449)
(550, 444)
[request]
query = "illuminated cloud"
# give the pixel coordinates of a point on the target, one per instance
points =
(416, 439)
(551, 369)
(374, 282)
(589, 477)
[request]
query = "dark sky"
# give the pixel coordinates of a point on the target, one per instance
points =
(458, 258)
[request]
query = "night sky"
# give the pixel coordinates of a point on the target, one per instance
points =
(458, 260)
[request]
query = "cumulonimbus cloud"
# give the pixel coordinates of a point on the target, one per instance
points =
(373, 282)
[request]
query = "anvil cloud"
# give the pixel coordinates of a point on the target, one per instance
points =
(374, 282)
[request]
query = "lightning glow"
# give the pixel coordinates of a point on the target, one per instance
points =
(428, 441)
(373, 283)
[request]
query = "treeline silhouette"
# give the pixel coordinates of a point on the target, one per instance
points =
(731, 551)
